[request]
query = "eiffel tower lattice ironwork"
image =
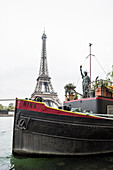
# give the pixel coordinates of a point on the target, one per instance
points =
(44, 87)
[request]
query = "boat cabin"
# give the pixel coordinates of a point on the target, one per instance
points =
(99, 99)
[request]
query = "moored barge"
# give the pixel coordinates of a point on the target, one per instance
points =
(40, 129)
(80, 127)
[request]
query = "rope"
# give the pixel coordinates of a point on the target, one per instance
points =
(100, 65)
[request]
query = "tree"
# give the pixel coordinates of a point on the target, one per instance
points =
(69, 89)
(1, 107)
(110, 75)
(11, 106)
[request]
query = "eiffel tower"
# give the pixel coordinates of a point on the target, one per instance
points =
(44, 87)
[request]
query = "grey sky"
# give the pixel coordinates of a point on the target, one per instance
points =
(70, 26)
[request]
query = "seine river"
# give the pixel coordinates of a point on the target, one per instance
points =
(9, 162)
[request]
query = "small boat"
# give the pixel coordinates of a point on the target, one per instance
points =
(43, 130)
(3, 112)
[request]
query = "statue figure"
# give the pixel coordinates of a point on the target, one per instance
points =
(85, 82)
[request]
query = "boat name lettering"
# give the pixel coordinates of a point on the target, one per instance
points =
(31, 105)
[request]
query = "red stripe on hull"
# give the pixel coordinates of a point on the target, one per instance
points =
(40, 107)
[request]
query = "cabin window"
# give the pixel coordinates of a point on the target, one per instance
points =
(110, 109)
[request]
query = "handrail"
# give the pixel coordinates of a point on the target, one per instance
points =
(106, 115)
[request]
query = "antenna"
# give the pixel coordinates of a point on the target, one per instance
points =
(90, 58)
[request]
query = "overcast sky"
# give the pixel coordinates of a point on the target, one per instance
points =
(70, 25)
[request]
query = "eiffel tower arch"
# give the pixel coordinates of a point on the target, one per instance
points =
(44, 87)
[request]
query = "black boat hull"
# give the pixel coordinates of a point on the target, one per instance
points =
(38, 133)
(40, 144)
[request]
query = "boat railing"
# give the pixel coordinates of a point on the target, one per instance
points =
(90, 113)
(108, 116)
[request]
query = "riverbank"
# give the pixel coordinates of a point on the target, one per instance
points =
(6, 115)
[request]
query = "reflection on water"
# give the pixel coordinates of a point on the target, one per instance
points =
(64, 163)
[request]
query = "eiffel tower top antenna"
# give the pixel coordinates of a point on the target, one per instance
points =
(44, 87)
(43, 64)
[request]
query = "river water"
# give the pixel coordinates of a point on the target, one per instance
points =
(9, 162)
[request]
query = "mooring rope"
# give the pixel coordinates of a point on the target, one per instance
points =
(100, 65)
